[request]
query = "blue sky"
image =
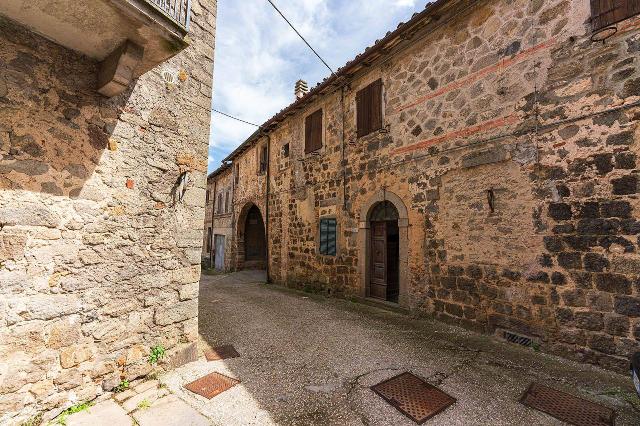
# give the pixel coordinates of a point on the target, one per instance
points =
(259, 58)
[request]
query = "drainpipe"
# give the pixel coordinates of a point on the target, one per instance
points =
(266, 225)
(344, 167)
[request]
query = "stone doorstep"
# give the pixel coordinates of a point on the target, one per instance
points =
(106, 413)
(144, 386)
(151, 395)
(165, 411)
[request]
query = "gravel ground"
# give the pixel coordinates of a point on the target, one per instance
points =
(308, 360)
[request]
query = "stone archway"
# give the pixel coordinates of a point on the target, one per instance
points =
(251, 251)
(398, 219)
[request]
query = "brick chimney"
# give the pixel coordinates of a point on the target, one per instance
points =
(302, 88)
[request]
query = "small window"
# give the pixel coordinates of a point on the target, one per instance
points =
(285, 150)
(207, 196)
(262, 166)
(226, 202)
(313, 132)
(608, 12)
(219, 203)
(328, 231)
(237, 177)
(369, 108)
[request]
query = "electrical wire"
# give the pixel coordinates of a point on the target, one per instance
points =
(303, 39)
(236, 118)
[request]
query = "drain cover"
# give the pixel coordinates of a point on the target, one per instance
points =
(211, 385)
(566, 407)
(221, 352)
(413, 397)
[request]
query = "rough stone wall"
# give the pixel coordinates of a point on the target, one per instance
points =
(99, 254)
(508, 97)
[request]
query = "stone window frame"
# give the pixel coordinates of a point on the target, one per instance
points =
(317, 236)
(260, 149)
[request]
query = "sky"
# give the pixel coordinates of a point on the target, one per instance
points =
(259, 58)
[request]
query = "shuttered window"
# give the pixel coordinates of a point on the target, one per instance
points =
(328, 234)
(226, 202)
(609, 12)
(369, 108)
(313, 132)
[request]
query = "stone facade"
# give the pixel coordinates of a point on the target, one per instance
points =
(219, 221)
(99, 246)
(509, 150)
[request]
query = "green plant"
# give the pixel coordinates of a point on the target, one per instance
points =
(62, 418)
(535, 346)
(144, 404)
(124, 385)
(157, 353)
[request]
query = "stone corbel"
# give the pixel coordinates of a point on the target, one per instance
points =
(117, 70)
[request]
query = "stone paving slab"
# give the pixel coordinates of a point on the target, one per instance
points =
(170, 411)
(106, 413)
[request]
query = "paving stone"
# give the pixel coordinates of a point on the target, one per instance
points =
(107, 413)
(166, 412)
(144, 386)
(122, 396)
(131, 404)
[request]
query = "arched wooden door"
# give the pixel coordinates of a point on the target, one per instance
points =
(385, 252)
(255, 244)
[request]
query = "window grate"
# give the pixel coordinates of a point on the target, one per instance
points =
(517, 339)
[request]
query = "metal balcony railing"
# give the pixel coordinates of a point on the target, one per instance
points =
(179, 11)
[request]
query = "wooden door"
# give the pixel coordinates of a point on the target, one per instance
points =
(220, 252)
(378, 272)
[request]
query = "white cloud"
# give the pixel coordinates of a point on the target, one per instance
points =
(259, 58)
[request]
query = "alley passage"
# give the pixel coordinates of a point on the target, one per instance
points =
(308, 360)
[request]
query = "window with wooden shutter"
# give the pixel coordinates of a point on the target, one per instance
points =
(369, 108)
(328, 237)
(262, 166)
(608, 12)
(226, 202)
(313, 132)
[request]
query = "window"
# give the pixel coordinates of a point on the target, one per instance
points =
(207, 196)
(237, 177)
(313, 132)
(219, 203)
(262, 167)
(226, 202)
(608, 12)
(369, 108)
(285, 150)
(328, 231)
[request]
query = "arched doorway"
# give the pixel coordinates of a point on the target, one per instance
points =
(385, 252)
(255, 243)
(383, 240)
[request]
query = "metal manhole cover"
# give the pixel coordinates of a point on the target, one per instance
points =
(211, 385)
(221, 352)
(566, 407)
(413, 397)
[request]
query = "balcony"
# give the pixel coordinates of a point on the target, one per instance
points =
(128, 37)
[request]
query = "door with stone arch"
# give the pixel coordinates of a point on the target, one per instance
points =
(384, 266)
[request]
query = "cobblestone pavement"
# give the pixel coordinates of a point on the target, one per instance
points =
(309, 360)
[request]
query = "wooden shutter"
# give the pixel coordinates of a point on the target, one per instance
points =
(369, 108)
(313, 132)
(609, 12)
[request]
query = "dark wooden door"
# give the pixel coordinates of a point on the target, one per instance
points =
(378, 273)
(255, 246)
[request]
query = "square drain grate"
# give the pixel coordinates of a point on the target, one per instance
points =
(221, 352)
(413, 397)
(566, 407)
(211, 385)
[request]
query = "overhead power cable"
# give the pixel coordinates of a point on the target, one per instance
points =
(303, 39)
(235, 118)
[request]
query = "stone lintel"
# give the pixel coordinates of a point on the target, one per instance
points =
(117, 70)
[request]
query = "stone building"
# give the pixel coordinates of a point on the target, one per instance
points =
(477, 165)
(218, 220)
(104, 124)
